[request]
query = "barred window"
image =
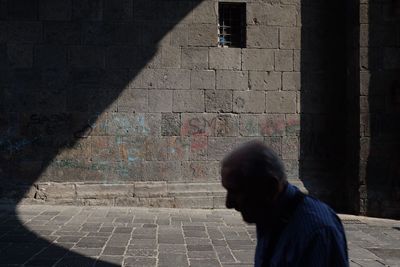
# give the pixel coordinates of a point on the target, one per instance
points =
(232, 24)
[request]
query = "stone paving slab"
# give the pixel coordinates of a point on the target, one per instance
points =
(115, 236)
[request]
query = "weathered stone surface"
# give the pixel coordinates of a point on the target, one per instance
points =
(218, 147)
(284, 60)
(248, 101)
(281, 102)
(205, 12)
(210, 124)
(194, 202)
(200, 171)
(262, 37)
(202, 35)
(195, 58)
(291, 81)
(188, 101)
(54, 191)
(170, 124)
(218, 100)
(290, 38)
(290, 147)
(160, 100)
(103, 191)
(237, 80)
(271, 14)
(258, 59)
(249, 125)
(259, 80)
(228, 59)
(150, 189)
(272, 124)
(167, 148)
(170, 56)
(200, 79)
(133, 100)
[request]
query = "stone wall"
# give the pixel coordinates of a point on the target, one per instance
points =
(131, 102)
(379, 92)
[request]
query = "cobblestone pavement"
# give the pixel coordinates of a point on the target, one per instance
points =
(111, 236)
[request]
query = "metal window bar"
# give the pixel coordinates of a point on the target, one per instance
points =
(232, 21)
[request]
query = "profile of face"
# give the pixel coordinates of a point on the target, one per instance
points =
(252, 203)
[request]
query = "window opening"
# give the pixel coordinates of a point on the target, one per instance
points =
(232, 24)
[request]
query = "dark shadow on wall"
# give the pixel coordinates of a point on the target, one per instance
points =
(322, 100)
(380, 80)
(62, 64)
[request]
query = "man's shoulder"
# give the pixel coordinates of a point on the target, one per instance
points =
(314, 214)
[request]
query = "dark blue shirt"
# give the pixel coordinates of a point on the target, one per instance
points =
(314, 236)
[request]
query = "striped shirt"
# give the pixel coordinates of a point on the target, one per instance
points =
(314, 236)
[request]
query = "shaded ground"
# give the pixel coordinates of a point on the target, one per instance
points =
(161, 237)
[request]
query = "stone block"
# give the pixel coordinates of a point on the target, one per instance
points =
(202, 79)
(205, 12)
(291, 81)
(210, 124)
(133, 149)
(150, 189)
(133, 100)
(218, 100)
(194, 202)
(219, 202)
(188, 101)
(156, 202)
(50, 56)
(198, 148)
(170, 124)
(296, 60)
(292, 168)
(170, 56)
(223, 58)
(179, 35)
(57, 32)
(20, 56)
(218, 147)
(284, 60)
(56, 191)
(167, 148)
(192, 188)
(272, 125)
(290, 38)
(200, 171)
(160, 100)
(104, 191)
(266, 81)
(292, 124)
(258, 59)
(203, 35)
(236, 80)
(194, 58)
(55, 9)
(275, 143)
(262, 37)
(249, 125)
(175, 79)
(86, 57)
(87, 10)
(24, 32)
(162, 171)
(271, 14)
(248, 101)
(290, 147)
(106, 149)
(123, 56)
(121, 10)
(281, 102)
(120, 124)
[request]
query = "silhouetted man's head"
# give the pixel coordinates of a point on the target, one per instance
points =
(253, 176)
